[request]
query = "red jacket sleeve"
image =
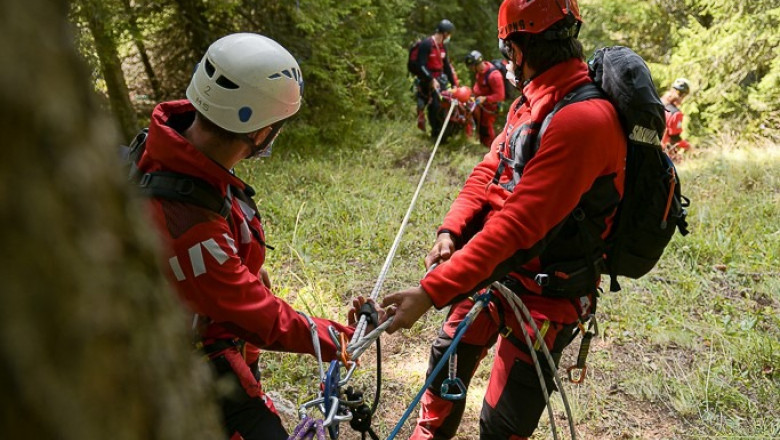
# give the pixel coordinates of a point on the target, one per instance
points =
(583, 142)
(472, 198)
(216, 283)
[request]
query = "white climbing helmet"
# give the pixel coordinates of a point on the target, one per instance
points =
(246, 82)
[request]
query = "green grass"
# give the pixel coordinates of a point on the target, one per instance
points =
(690, 351)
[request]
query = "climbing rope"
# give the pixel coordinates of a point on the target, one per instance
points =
(352, 408)
(362, 325)
(309, 429)
(479, 303)
(517, 306)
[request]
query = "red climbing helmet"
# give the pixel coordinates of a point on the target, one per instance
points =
(536, 16)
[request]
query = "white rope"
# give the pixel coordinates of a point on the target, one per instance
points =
(516, 303)
(362, 323)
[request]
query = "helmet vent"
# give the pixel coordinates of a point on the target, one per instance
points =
(226, 83)
(287, 73)
(276, 75)
(209, 68)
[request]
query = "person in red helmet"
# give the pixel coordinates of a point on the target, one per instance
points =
(241, 93)
(522, 211)
(672, 142)
(489, 92)
(434, 71)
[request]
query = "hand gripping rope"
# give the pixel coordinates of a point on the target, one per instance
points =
(328, 402)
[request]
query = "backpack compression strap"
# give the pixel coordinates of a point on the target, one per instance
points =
(187, 189)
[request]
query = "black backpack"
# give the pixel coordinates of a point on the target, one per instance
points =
(510, 92)
(411, 63)
(169, 185)
(652, 207)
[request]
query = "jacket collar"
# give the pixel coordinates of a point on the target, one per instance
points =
(549, 87)
(167, 149)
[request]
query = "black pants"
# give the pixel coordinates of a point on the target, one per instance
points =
(426, 95)
(242, 414)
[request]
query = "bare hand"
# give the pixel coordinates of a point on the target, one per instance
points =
(263, 275)
(354, 312)
(435, 84)
(407, 306)
(441, 251)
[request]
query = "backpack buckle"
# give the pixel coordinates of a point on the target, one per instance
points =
(542, 279)
(145, 179)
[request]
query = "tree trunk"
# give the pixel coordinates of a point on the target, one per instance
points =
(97, 17)
(138, 40)
(196, 25)
(93, 345)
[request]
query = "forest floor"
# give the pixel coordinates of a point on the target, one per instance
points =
(691, 351)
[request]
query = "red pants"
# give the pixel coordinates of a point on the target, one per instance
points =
(514, 400)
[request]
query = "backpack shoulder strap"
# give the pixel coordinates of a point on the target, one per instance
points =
(172, 186)
(131, 154)
(486, 76)
(671, 108)
(184, 188)
(581, 93)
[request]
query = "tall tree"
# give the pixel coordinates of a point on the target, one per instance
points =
(97, 14)
(92, 343)
(138, 41)
(196, 25)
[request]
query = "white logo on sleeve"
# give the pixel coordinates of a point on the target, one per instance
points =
(196, 257)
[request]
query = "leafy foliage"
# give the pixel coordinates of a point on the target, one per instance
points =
(729, 50)
(352, 53)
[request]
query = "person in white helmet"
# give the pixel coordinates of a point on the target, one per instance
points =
(242, 92)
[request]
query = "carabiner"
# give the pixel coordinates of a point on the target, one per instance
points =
(576, 374)
(453, 381)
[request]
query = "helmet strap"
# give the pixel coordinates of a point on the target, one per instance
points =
(263, 149)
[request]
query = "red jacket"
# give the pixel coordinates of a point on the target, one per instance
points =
(432, 61)
(489, 84)
(213, 262)
(583, 150)
(674, 127)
